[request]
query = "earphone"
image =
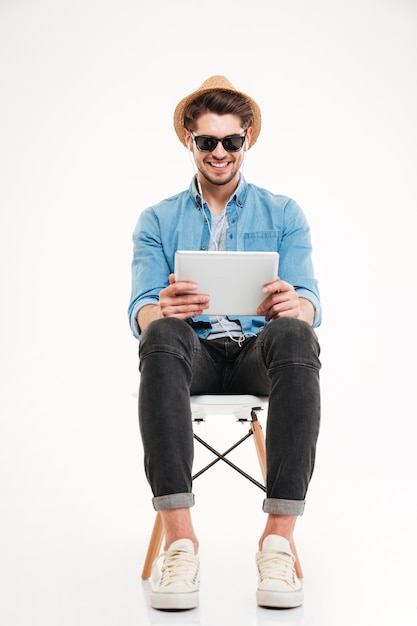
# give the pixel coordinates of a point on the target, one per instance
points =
(200, 190)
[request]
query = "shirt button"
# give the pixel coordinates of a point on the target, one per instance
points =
(203, 247)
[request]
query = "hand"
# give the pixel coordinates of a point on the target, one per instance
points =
(282, 301)
(173, 302)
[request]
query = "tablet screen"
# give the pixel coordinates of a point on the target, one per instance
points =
(233, 280)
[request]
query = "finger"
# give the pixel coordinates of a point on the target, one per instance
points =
(185, 285)
(269, 302)
(182, 303)
(278, 286)
(184, 311)
(274, 286)
(283, 309)
(191, 299)
(263, 307)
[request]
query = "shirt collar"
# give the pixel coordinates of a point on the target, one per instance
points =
(238, 195)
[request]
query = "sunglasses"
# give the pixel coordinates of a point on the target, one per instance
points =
(231, 143)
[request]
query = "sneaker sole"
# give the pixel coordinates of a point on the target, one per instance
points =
(280, 599)
(174, 601)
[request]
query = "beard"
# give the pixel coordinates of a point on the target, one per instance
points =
(218, 180)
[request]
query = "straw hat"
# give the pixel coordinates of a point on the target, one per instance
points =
(215, 83)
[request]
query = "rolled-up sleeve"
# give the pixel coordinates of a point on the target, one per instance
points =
(150, 269)
(295, 257)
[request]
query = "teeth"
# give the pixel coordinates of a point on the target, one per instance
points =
(219, 165)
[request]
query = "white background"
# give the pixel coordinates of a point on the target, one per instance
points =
(88, 90)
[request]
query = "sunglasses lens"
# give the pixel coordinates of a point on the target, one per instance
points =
(233, 143)
(206, 144)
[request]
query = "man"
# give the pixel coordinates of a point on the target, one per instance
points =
(184, 352)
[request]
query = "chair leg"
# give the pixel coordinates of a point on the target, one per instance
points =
(259, 439)
(154, 547)
(297, 564)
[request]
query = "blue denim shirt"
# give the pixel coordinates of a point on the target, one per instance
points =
(258, 220)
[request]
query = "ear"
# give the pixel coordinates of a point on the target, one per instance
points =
(187, 138)
(249, 133)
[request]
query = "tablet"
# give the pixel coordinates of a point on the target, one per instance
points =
(233, 280)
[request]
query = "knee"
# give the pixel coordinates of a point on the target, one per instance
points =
(166, 333)
(293, 339)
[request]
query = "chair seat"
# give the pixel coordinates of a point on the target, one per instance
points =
(238, 405)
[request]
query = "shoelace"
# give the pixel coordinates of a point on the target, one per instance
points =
(178, 566)
(277, 566)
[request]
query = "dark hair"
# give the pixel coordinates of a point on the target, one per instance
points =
(221, 103)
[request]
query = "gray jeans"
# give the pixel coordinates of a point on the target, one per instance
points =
(281, 362)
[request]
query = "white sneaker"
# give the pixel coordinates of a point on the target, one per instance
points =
(179, 582)
(278, 585)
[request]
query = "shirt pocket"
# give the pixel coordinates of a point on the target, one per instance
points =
(262, 240)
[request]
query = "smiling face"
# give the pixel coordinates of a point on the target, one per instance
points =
(218, 167)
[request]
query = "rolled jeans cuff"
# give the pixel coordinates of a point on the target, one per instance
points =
(276, 506)
(173, 501)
